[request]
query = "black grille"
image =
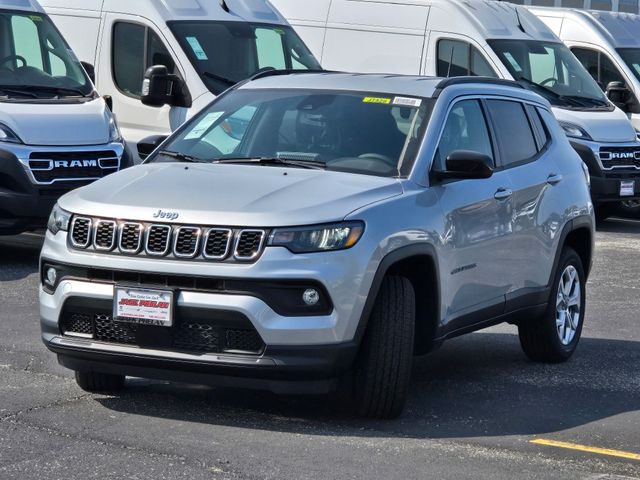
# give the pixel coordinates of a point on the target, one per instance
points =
(158, 239)
(189, 335)
(187, 240)
(106, 330)
(249, 244)
(217, 243)
(105, 236)
(70, 156)
(77, 323)
(81, 232)
(78, 165)
(131, 237)
(607, 157)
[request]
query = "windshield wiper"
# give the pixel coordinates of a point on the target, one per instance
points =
(180, 156)
(572, 100)
(314, 165)
(586, 101)
(18, 91)
(46, 88)
(219, 78)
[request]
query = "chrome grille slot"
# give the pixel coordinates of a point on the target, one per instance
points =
(105, 235)
(187, 241)
(158, 237)
(130, 237)
(249, 244)
(81, 232)
(217, 242)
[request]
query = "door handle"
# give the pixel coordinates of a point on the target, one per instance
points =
(503, 194)
(554, 179)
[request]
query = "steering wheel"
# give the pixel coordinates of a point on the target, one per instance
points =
(382, 158)
(549, 80)
(14, 57)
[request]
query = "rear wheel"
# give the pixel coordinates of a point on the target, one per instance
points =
(383, 368)
(99, 382)
(554, 337)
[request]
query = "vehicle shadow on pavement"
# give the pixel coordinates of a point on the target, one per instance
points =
(18, 257)
(478, 385)
(619, 225)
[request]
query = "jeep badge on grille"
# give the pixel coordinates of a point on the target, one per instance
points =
(166, 215)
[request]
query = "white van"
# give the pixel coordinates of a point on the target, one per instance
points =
(186, 51)
(476, 37)
(56, 132)
(608, 46)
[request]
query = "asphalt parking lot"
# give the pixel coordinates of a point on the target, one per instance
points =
(477, 409)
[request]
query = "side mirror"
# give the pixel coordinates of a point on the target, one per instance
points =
(91, 71)
(160, 88)
(619, 94)
(465, 164)
(147, 145)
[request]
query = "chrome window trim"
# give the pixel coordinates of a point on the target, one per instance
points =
(113, 236)
(89, 235)
(230, 240)
(176, 236)
(263, 235)
(141, 236)
(146, 241)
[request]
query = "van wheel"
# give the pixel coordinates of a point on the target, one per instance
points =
(99, 382)
(383, 367)
(554, 337)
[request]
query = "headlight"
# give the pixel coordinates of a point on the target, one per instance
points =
(574, 131)
(320, 238)
(7, 135)
(58, 220)
(114, 131)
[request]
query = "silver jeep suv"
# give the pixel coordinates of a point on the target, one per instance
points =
(309, 231)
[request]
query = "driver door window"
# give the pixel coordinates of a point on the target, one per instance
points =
(601, 68)
(465, 129)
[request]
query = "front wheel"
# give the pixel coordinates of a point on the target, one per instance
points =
(554, 337)
(383, 369)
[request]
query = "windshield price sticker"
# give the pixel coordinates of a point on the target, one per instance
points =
(381, 100)
(627, 189)
(144, 307)
(407, 102)
(197, 48)
(513, 62)
(203, 125)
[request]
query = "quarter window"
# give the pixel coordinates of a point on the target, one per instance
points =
(465, 129)
(513, 131)
(136, 48)
(457, 58)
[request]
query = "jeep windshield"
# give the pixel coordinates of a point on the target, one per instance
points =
(366, 133)
(224, 53)
(551, 70)
(36, 62)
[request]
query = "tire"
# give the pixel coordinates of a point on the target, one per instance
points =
(540, 338)
(99, 382)
(383, 368)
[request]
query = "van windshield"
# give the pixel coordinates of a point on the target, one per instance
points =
(225, 53)
(551, 70)
(36, 62)
(631, 57)
(365, 133)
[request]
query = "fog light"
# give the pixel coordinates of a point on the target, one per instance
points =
(311, 296)
(51, 276)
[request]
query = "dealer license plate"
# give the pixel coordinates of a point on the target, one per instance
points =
(627, 189)
(144, 307)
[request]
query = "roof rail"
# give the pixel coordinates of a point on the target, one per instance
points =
(449, 82)
(269, 72)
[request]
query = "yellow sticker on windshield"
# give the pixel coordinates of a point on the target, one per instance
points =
(35, 18)
(384, 101)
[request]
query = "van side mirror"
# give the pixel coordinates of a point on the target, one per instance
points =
(147, 145)
(466, 164)
(619, 94)
(160, 88)
(91, 71)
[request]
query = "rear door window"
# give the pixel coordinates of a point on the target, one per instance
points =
(513, 132)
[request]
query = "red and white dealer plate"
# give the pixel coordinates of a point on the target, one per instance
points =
(144, 307)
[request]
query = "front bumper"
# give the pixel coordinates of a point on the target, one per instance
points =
(606, 182)
(25, 203)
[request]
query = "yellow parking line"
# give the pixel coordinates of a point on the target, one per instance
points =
(586, 448)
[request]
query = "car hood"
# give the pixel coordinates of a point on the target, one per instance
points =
(229, 195)
(602, 126)
(58, 124)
